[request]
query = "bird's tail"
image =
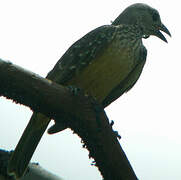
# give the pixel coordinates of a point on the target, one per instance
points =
(27, 144)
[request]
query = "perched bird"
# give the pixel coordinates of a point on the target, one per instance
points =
(105, 63)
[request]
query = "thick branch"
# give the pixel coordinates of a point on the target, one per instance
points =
(79, 112)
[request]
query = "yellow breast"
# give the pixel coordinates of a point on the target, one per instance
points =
(104, 72)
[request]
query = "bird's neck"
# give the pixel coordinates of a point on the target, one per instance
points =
(129, 33)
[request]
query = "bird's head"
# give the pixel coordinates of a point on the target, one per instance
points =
(146, 17)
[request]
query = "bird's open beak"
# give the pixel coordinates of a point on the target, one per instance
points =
(160, 35)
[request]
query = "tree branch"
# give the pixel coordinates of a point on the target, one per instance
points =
(79, 112)
(35, 171)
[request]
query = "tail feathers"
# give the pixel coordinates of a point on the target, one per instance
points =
(27, 145)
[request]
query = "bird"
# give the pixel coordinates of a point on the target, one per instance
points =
(105, 63)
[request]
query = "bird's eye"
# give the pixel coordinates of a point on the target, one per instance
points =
(155, 16)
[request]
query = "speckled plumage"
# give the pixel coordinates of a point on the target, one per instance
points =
(106, 54)
(105, 63)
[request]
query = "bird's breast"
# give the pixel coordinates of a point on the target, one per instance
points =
(105, 71)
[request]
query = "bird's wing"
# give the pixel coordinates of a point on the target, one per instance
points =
(81, 53)
(129, 81)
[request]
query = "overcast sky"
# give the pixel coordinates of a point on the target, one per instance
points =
(34, 35)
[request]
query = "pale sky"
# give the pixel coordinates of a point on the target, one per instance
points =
(35, 34)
